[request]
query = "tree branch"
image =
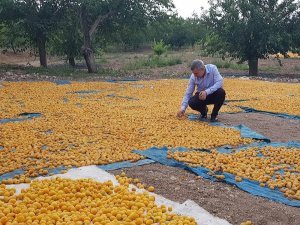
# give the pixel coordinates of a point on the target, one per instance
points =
(99, 20)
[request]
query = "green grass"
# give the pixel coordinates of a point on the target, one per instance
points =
(236, 66)
(62, 71)
(59, 71)
(111, 73)
(268, 69)
(152, 62)
(230, 65)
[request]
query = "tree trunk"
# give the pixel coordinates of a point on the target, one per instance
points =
(89, 59)
(86, 49)
(41, 41)
(13, 47)
(88, 32)
(72, 61)
(253, 67)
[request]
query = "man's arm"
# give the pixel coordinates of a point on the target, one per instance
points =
(188, 93)
(218, 81)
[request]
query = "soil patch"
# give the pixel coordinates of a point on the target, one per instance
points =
(220, 199)
(275, 128)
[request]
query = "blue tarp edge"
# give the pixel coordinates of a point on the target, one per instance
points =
(108, 167)
(125, 164)
(245, 131)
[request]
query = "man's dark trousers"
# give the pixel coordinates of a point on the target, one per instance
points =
(217, 99)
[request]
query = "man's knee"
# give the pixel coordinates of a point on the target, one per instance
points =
(220, 94)
(192, 103)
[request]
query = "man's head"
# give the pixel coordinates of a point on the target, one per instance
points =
(198, 68)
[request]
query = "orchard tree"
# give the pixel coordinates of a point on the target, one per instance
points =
(252, 29)
(180, 34)
(176, 31)
(130, 38)
(12, 33)
(295, 28)
(109, 15)
(66, 39)
(159, 29)
(13, 36)
(38, 17)
(186, 31)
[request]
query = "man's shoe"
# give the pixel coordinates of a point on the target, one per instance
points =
(214, 119)
(204, 116)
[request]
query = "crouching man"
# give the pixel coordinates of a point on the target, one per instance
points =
(210, 90)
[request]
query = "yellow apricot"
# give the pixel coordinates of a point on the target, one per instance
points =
(151, 189)
(238, 179)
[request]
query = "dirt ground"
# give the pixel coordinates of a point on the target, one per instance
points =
(221, 199)
(275, 128)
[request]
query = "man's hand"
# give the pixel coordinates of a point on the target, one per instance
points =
(202, 95)
(180, 114)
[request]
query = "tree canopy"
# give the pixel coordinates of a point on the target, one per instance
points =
(252, 29)
(111, 15)
(38, 18)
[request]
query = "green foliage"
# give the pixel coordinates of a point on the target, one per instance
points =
(251, 29)
(12, 36)
(130, 38)
(221, 64)
(229, 65)
(57, 71)
(58, 22)
(153, 62)
(40, 17)
(126, 12)
(127, 18)
(61, 71)
(185, 32)
(108, 18)
(212, 44)
(12, 32)
(176, 31)
(8, 11)
(66, 39)
(295, 31)
(37, 18)
(159, 48)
